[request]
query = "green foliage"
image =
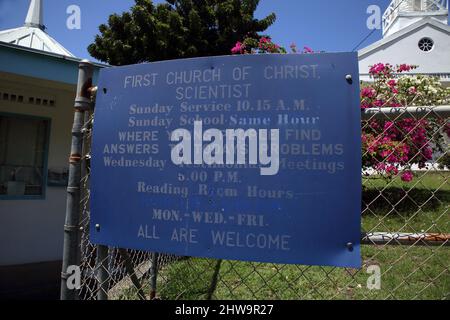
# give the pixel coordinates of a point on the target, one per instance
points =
(177, 29)
(444, 161)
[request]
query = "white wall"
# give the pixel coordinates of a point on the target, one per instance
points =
(406, 20)
(406, 50)
(32, 230)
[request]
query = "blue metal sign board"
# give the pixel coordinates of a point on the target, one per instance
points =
(254, 157)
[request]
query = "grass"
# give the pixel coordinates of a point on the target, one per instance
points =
(407, 272)
(397, 206)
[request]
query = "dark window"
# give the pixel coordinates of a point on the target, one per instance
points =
(426, 44)
(23, 155)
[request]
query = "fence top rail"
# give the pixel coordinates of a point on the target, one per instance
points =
(386, 113)
(393, 238)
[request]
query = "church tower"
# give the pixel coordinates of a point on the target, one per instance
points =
(35, 16)
(414, 32)
(402, 13)
(32, 34)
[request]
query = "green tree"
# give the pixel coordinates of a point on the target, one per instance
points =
(177, 29)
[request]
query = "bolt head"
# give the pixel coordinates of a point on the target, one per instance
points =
(349, 79)
(350, 246)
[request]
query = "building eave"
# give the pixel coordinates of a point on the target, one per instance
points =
(40, 65)
(50, 54)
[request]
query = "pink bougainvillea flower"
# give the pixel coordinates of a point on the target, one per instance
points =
(427, 153)
(407, 176)
(412, 90)
(391, 169)
(238, 48)
(405, 67)
(405, 141)
(365, 105)
(307, 50)
(384, 153)
(368, 92)
(377, 68)
(378, 103)
(392, 83)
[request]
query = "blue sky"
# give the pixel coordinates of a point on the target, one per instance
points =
(327, 25)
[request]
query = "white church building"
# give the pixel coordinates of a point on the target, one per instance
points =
(415, 32)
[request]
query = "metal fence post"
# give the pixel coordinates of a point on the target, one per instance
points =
(71, 226)
(102, 272)
(153, 274)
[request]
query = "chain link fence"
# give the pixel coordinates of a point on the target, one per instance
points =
(405, 254)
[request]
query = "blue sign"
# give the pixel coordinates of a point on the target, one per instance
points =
(254, 157)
